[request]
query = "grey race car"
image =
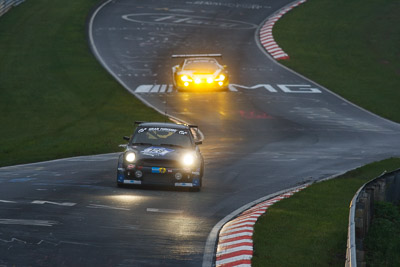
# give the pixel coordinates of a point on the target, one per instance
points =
(162, 154)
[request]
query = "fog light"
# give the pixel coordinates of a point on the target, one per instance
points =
(220, 83)
(178, 176)
(138, 174)
(186, 84)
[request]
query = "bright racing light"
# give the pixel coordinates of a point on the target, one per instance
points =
(210, 80)
(185, 78)
(130, 157)
(188, 159)
(221, 77)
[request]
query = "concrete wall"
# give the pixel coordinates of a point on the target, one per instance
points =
(384, 188)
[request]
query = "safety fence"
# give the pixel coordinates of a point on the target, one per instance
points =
(6, 5)
(383, 188)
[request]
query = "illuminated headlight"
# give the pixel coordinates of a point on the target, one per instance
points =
(188, 159)
(185, 78)
(130, 157)
(197, 80)
(210, 80)
(221, 77)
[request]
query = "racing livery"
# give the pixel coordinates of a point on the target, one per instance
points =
(200, 72)
(162, 154)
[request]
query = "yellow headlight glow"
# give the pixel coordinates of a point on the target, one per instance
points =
(197, 80)
(210, 80)
(185, 78)
(221, 77)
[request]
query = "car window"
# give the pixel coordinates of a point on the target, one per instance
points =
(162, 136)
(201, 65)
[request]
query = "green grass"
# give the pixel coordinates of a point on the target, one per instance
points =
(350, 47)
(383, 239)
(55, 99)
(310, 228)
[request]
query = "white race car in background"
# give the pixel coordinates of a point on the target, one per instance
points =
(200, 72)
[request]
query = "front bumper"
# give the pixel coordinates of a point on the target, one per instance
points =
(153, 175)
(203, 86)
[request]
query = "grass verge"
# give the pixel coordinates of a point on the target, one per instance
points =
(55, 99)
(383, 239)
(310, 228)
(350, 47)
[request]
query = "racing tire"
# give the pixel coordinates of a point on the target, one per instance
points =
(201, 172)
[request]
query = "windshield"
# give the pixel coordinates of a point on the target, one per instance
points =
(162, 136)
(203, 65)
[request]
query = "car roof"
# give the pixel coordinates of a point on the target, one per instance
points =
(164, 125)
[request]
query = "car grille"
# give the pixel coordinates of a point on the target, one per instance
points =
(158, 163)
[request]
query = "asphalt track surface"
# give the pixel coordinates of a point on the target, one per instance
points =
(273, 130)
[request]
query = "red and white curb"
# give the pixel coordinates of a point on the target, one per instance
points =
(235, 243)
(266, 38)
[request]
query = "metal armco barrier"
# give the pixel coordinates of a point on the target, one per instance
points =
(6, 5)
(383, 188)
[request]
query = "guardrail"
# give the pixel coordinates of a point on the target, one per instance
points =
(6, 5)
(383, 188)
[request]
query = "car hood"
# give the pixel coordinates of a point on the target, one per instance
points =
(159, 152)
(197, 73)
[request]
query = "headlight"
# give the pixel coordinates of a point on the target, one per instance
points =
(210, 80)
(130, 157)
(188, 159)
(221, 77)
(197, 80)
(185, 78)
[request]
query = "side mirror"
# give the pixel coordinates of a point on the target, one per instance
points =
(225, 66)
(126, 138)
(198, 142)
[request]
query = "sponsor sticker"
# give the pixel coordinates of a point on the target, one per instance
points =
(156, 151)
(158, 170)
(163, 129)
(132, 182)
(184, 184)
